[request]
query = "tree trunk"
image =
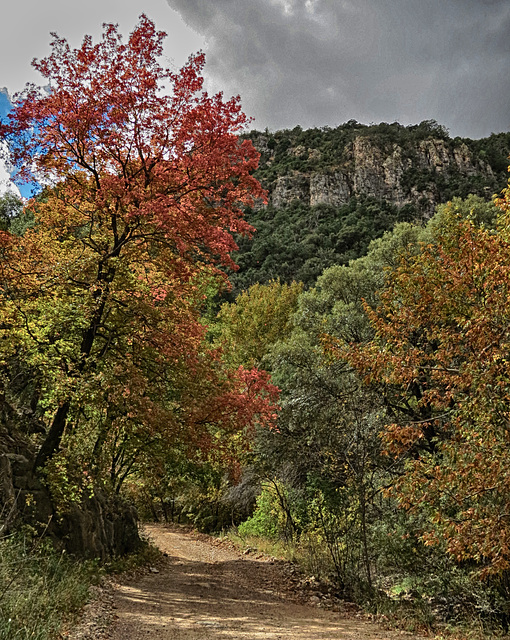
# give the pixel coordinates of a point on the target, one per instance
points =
(52, 441)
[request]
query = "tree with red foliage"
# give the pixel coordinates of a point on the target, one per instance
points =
(146, 180)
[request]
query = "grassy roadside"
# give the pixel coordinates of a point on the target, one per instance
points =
(42, 591)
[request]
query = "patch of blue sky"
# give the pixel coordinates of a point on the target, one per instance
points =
(27, 189)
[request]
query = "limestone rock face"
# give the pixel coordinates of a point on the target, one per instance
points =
(288, 188)
(330, 188)
(382, 171)
(101, 526)
(371, 170)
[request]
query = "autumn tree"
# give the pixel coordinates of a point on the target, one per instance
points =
(260, 316)
(440, 358)
(145, 182)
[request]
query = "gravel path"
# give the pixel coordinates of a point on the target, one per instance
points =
(205, 590)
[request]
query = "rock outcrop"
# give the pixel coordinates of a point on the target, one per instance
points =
(365, 168)
(98, 526)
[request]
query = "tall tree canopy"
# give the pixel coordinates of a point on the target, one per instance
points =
(146, 180)
(440, 357)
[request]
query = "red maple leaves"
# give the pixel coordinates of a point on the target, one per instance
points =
(146, 180)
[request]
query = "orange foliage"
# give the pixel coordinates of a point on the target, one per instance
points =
(441, 358)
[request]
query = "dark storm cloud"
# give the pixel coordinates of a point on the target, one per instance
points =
(319, 62)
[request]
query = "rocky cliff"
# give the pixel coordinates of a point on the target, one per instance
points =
(420, 170)
(333, 191)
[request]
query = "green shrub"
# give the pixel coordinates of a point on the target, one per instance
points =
(266, 519)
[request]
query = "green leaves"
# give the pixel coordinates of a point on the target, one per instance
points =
(102, 295)
(260, 317)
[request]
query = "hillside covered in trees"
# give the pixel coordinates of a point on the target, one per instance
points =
(348, 401)
(332, 191)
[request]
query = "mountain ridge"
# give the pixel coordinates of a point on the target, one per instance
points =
(332, 191)
(418, 165)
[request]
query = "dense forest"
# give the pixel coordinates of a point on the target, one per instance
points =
(347, 396)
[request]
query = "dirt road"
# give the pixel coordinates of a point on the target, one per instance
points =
(204, 590)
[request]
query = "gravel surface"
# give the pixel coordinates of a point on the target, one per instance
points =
(206, 589)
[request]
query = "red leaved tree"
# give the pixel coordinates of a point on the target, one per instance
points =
(145, 183)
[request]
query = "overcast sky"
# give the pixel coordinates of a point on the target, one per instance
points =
(308, 62)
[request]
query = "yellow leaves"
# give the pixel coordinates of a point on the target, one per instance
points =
(259, 317)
